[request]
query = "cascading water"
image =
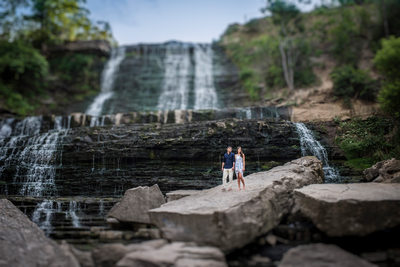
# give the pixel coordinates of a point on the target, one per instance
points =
(175, 87)
(309, 145)
(205, 93)
(43, 214)
(107, 81)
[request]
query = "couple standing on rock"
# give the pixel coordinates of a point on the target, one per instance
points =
(231, 162)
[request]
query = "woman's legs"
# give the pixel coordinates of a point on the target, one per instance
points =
(242, 179)
(237, 175)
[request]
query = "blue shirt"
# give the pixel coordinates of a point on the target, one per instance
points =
(229, 159)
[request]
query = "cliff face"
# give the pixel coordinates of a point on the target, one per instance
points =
(105, 161)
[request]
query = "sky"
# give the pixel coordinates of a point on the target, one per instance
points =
(151, 21)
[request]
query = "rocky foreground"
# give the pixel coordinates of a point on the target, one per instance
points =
(201, 228)
(230, 220)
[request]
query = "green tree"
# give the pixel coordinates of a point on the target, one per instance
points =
(10, 20)
(387, 61)
(287, 16)
(22, 75)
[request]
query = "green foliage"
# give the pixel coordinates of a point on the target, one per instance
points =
(387, 61)
(389, 98)
(78, 71)
(367, 141)
(22, 74)
(349, 82)
(343, 36)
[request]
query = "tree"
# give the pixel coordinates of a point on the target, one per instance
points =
(287, 16)
(10, 21)
(387, 60)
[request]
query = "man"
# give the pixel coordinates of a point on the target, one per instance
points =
(228, 166)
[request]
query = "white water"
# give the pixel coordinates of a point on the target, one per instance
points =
(43, 214)
(107, 81)
(175, 88)
(36, 165)
(71, 213)
(206, 96)
(309, 145)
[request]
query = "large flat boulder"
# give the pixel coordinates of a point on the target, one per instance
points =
(387, 171)
(178, 194)
(350, 209)
(317, 255)
(230, 220)
(136, 203)
(177, 254)
(23, 243)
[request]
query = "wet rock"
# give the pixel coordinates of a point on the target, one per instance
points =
(136, 203)
(317, 255)
(387, 171)
(350, 209)
(84, 257)
(23, 243)
(177, 254)
(178, 194)
(108, 255)
(230, 220)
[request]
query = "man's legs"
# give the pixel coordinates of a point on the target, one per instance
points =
(230, 178)
(224, 176)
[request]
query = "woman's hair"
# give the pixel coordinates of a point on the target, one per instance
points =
(241, 151)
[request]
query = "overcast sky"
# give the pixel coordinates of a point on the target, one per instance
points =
(135, 21)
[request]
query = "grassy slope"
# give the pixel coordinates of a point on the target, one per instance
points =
(253, 48)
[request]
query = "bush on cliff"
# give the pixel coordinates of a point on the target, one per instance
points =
(387, 61)
(350, 82)
(22, 75)
(365, 142)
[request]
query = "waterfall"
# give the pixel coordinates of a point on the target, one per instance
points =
(71, 213)
(107, 81)
(309, 145)
(36, 165)
(175, 87)
(44, 222)
(205, 94)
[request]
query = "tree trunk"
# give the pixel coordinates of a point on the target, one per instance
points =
(385, 19)
(287, 64)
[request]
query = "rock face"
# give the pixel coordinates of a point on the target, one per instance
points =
(178, 254)
(350, 209)
(101, 47)
(22, 243)
(387, 171)
(230, 220)
(317, 255)
(178, 194)
(136, 203)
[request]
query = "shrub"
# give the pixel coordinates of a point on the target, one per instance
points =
(367, 141)
(387, 59)
(22, 67)
(389, 98)
(349, 82)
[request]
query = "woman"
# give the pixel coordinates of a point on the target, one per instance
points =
(240, 166)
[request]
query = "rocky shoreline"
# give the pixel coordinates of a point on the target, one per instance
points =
(286, 217)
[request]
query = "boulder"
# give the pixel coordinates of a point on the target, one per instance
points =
(178, 254)
(350, 209)
(136, 203)
(177, 194)
(387, 171)
(317, 255)
(232, 219)
(23, 243)
(84, 257)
